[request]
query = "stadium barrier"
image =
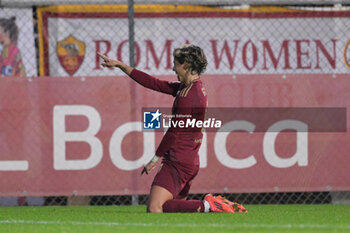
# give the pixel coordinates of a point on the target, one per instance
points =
(59, 134)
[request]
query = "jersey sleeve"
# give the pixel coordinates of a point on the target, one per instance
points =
(155, 84)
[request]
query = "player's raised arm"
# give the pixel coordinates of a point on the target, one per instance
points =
(109, 62)
(142, 78)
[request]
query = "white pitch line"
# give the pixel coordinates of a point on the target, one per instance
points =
(233, 226)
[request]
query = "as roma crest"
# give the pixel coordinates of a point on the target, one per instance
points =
(70, 52)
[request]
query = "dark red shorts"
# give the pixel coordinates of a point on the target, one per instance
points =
(175, 179)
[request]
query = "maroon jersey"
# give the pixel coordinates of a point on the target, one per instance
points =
(11, 62)
(179, 145)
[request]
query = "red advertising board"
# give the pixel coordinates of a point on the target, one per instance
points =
(65, 135)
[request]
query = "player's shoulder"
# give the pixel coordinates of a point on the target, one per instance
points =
(185, 90)
(193, 89)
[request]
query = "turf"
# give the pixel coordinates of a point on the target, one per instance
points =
(260, 218)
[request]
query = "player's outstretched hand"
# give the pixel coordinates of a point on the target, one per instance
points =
(108, 62)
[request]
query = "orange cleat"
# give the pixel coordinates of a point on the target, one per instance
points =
(218, 205)
(236, 207)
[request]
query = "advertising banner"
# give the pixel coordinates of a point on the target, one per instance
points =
(236, 41)
(84, 136)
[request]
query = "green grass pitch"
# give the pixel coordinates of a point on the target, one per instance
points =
(100, 219)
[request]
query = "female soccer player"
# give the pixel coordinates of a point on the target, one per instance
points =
(179, 147)
(10, 58)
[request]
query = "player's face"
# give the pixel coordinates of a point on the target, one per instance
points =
(4, 37)
(180, 71)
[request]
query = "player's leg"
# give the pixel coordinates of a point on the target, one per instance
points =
(163, 188)
(209, 204)
(181, 204)
(157, 198)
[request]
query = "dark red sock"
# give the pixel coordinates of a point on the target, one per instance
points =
(177, 205)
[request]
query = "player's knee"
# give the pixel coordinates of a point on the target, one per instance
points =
(154, 208)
